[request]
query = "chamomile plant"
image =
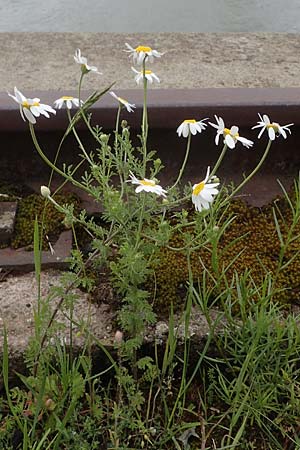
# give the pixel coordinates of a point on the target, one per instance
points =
(141, 217)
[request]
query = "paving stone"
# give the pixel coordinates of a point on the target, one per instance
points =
(23, 260)
(7, 219)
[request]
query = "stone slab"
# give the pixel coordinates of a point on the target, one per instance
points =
(23, 260)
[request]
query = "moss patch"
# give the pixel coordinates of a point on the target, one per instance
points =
(258, 248)
(34, 205)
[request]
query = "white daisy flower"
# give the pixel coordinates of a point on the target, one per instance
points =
(203, 193)
(83, 62)
(67, 100)
(140, 53)
(149, 75)
(30, 108)
(231, 136)
(274, 129)
(146, 185)
(191, 126)
(129, 106)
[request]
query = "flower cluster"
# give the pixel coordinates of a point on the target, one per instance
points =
(204, 192)
(140, 55)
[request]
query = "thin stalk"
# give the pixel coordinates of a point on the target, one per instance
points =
(145, 119)
(82, 110)
(78, 139)
(140, 226)
(188, 145)
(256, 169)
(50, 164)
(220, 159)
(117, 125)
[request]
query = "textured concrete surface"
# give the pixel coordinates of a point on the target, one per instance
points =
(192, 60)
(7, 219)
(18, 301)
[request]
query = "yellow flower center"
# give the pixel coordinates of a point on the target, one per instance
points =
(227, 131)
(199, 187)
(274, 126)
(67, 97)
(147, 72)
(25, 104)
(147, 182)
(189, 121)
(141, 48)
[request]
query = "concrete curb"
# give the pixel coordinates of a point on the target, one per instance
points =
(168, 107)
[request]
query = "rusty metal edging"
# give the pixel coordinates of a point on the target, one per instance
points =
(169, 107)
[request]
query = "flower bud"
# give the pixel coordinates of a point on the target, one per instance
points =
(124, 124)
(103, 137)
(45, 191)
(157, 162)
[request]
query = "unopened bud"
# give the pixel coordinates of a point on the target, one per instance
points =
(124, 123)
(103, 137)
(45, 191)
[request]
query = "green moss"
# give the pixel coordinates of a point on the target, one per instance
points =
(35, 205)
(260, 246)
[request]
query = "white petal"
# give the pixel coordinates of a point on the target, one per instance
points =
(19, 96)
(229, 141)
(282, 132)
(261, 131)
(29, 115)
(207, 174)
(271, 133)
(193, 128)
(185, 130)
(22, 113)
(266, 119)
(245, 142)
(36, 111)
(206, 195)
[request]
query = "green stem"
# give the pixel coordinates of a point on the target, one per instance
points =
(78, 139)
(117, 125)
(256, 169)
(220, 159)
(49, 163)
(82, 110)
(145, 120)
(140, 226)
(184, 161)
